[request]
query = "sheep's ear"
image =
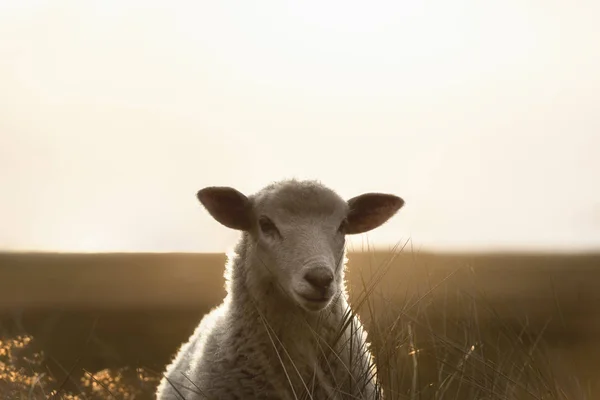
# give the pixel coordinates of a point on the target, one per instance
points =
(370, 210)
(228, 206)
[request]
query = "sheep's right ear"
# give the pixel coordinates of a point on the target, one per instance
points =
(228, 206)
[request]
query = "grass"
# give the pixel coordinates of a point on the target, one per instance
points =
(457, 358)
(423, 350)
(25, 373)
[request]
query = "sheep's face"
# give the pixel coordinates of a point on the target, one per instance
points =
(300, 236)
(298, 230)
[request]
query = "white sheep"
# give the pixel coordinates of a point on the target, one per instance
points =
(285, 329)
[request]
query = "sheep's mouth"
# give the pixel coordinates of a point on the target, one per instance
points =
(315, 303)
(314, 300)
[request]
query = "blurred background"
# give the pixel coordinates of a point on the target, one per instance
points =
(483, 116)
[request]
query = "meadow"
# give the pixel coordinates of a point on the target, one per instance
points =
(442, 326)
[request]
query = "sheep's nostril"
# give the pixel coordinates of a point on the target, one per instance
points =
(320, 278)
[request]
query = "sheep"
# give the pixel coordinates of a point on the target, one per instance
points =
(285, 329)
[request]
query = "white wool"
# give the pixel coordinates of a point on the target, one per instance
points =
(264, 341)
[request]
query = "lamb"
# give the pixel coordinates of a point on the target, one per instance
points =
(285, 329)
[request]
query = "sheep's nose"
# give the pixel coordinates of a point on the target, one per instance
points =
(320, 278)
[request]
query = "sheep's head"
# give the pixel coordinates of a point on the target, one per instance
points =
(299, 229)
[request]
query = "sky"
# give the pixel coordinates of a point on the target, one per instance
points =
(483, 116)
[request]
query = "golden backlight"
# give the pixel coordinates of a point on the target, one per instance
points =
(483, 116)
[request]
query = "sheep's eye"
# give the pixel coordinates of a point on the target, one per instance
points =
(267, 226)
(343, 226)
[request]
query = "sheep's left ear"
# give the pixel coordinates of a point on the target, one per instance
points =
(370, 210)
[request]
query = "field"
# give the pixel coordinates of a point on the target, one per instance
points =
(467, 326)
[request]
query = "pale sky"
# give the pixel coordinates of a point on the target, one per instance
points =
(483, 116)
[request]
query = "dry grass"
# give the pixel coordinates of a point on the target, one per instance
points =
(419, 355)
(24, 374)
